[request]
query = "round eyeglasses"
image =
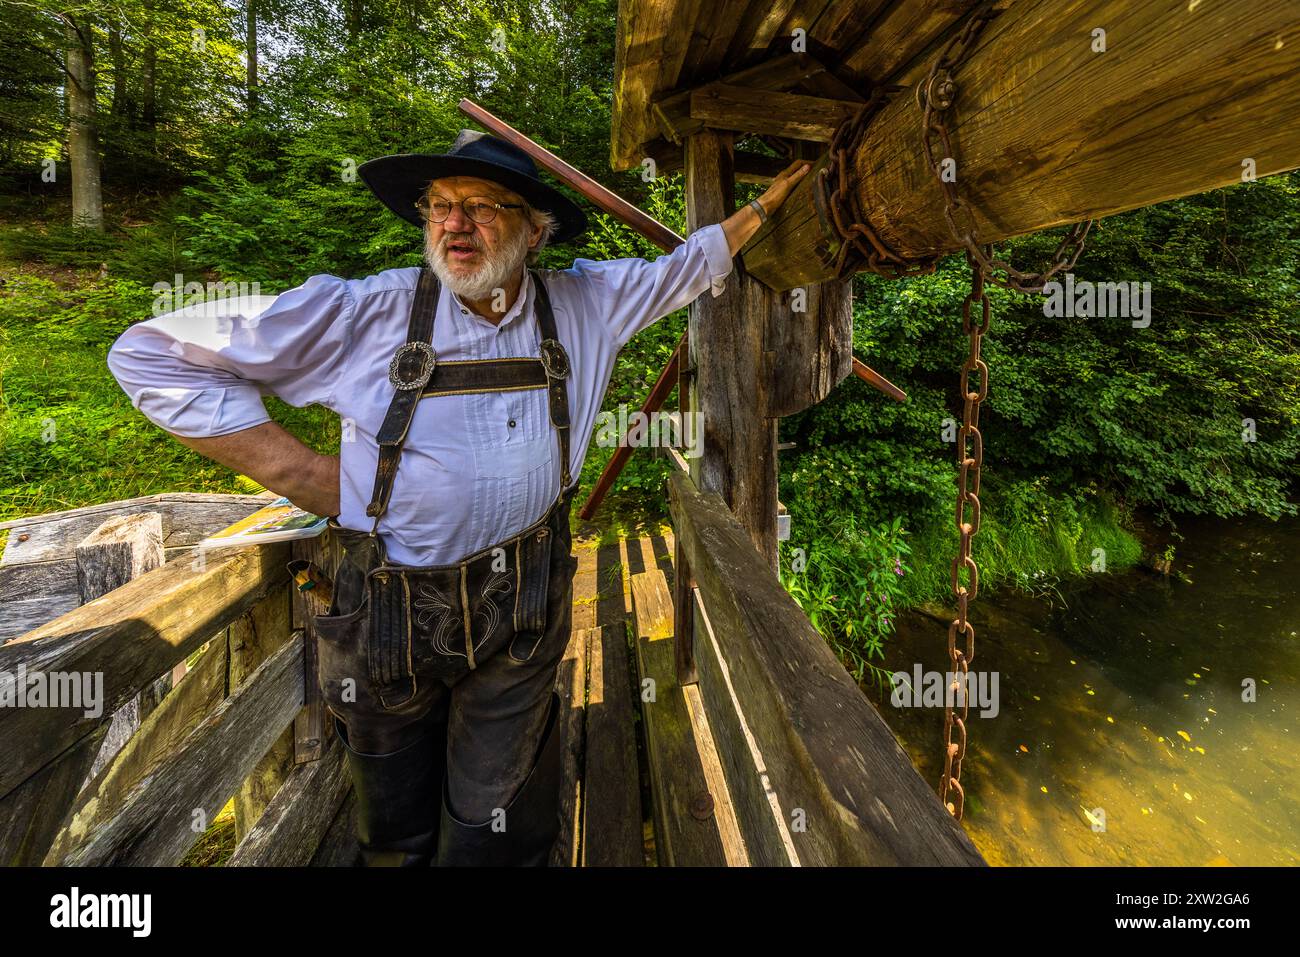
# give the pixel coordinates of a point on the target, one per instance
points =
(479, 209)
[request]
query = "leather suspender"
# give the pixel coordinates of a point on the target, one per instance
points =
(416, 372)
(555, 363)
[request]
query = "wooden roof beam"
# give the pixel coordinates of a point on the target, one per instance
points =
(1048, 132)
(791, 115)
(785, 72)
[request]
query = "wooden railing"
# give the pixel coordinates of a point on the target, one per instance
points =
(812, 772)
(244, 722)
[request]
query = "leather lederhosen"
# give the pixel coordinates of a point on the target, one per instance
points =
(397, 629)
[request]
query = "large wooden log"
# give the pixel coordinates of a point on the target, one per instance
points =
(126, 639)
(846, 792)
(1048, 132)
(161, 818)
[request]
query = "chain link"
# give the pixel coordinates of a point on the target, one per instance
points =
(935, 96)
(859, 247)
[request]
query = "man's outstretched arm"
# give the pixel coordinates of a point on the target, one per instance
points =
(744, 222)
(278, 460)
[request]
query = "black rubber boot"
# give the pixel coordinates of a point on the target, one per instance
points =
(532, 819)
(398, 799)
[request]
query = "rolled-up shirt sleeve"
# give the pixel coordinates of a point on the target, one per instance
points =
(202, 371)
(627, 295)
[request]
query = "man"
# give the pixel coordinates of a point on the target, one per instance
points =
(482, 379)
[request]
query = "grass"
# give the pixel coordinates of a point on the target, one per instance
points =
(218, 842)
(69, 436)
(853, 579)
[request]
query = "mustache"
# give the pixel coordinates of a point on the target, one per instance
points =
(460, 240)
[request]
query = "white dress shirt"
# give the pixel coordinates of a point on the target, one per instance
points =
(476, 469)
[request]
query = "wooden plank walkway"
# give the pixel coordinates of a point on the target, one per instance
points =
(618, 796)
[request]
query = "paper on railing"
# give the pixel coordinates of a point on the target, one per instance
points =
(280, 521)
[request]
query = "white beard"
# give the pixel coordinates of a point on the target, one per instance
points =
(494, 272)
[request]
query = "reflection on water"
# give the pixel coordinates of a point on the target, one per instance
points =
(1128, 699)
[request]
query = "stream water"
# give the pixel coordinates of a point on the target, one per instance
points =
(1124, 734)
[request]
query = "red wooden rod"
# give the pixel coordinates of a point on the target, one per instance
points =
(610, 202)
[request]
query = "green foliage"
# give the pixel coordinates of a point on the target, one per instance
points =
(1087, 419)
(68, 434)
(849, 583)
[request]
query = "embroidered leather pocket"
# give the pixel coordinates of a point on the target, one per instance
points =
(388, 648)
(533, 561)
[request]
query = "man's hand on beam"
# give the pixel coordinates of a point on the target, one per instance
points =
(742, 224)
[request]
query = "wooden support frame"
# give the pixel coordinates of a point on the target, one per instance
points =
(154, 827)
(791, 115)
(130, 636)
(825, 752)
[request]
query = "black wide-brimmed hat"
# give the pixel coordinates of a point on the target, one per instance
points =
(400, 180)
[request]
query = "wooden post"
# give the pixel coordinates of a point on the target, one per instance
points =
(683, 581)
(726, 339)
(254, 638)
(119, 550)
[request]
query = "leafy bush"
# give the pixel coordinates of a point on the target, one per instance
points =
(849, 583)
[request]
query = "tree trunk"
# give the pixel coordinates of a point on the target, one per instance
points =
(252, 57)
(117, 53)
(148, 79)
(83, 129)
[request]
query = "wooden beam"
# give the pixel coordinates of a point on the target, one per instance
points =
(659, 393)
(849, 792)
(874, 379)
(156, 825)
(611, 807)
(809, 339)
(295, 821)
(650, 42)
(756, 167)
(688, 831)
(606, 199)
(254, 638)
(571, 686)
(186, 517)
(726, 343)
(1183, 96)
(784, 72)
(791, 115)
(128, 637)
(198, 694)
(122, 548)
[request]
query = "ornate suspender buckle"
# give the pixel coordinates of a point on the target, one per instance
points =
(554, 359)
(400, 368)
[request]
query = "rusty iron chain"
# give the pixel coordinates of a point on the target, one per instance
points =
(935, 95)
(970, 460)
(859, 247)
